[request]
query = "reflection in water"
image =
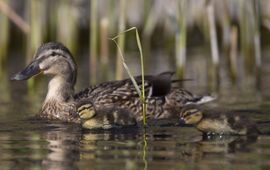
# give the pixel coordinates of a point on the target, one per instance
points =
(107, 149)
(145, 150)
(216, 146)
(32, 144)
(65, 146)
(130, 151)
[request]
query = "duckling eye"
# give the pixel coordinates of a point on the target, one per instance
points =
(188, 113)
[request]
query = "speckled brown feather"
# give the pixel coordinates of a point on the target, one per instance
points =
(124, 95)
(55, 60)
(59, 111)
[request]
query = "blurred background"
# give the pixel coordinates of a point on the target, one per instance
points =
(222, 45)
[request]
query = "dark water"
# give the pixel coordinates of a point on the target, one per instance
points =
(30, 144)
(26, 143)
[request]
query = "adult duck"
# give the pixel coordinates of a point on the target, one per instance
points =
(55, 60)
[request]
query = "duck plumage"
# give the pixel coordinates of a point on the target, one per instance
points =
(55, 60)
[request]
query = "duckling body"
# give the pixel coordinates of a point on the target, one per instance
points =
(55, 60)
(218, 122)
(106, 118)
(227, 123)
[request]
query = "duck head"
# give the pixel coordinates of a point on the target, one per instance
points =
(191, 115)
(50, 59)
(55, 60)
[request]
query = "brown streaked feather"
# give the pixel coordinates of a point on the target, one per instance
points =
(55, 60)
(124, 95)
(59, 111)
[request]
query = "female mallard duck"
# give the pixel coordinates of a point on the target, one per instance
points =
(105, 118)
(218, 122)
(55, 59)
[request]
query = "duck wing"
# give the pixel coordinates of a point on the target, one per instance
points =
(160, 95)
(159, 85)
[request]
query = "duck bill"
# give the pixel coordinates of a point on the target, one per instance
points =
(31, 70)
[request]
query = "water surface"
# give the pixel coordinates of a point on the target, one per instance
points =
(27, 143)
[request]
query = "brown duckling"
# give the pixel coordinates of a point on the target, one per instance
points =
(218, 122)
(106, 118)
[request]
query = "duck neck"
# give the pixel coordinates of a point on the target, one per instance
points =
(60, 89)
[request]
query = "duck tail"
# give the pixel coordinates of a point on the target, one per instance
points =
(262, 123)
(180, 80)
(256, 131)
(202, 99)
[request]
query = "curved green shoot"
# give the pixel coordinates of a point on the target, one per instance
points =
(140, 92)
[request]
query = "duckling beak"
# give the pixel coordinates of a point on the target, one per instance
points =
(182, 121)
(29, 71)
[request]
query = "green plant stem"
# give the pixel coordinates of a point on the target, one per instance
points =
(142, 73)
(127, 69)
(142, 92)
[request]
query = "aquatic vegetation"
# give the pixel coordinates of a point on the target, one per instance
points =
(142, 91)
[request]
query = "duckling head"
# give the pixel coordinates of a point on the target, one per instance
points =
(50, 59)
(89, 117)
(190, 115)
(86, 111)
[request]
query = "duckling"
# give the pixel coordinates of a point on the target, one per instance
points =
(218, 122)
(106, 118)
(55, 60)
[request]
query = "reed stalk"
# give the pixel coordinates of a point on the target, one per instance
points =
(246, 33)
(180, 39)
(93, 42)
(225, 22)
(204, 22)
(14, 17)
(140, 92)
(233, 53)
(36, 17)
(150, 23)
(213, 41)
(121, 39)
(4, 38)
(67, 25)
(146, 7)
(104, 48)
(52, 20)
(36, 28)
(257, 42)
(145, 146)
(146, 40)
(113, 18)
